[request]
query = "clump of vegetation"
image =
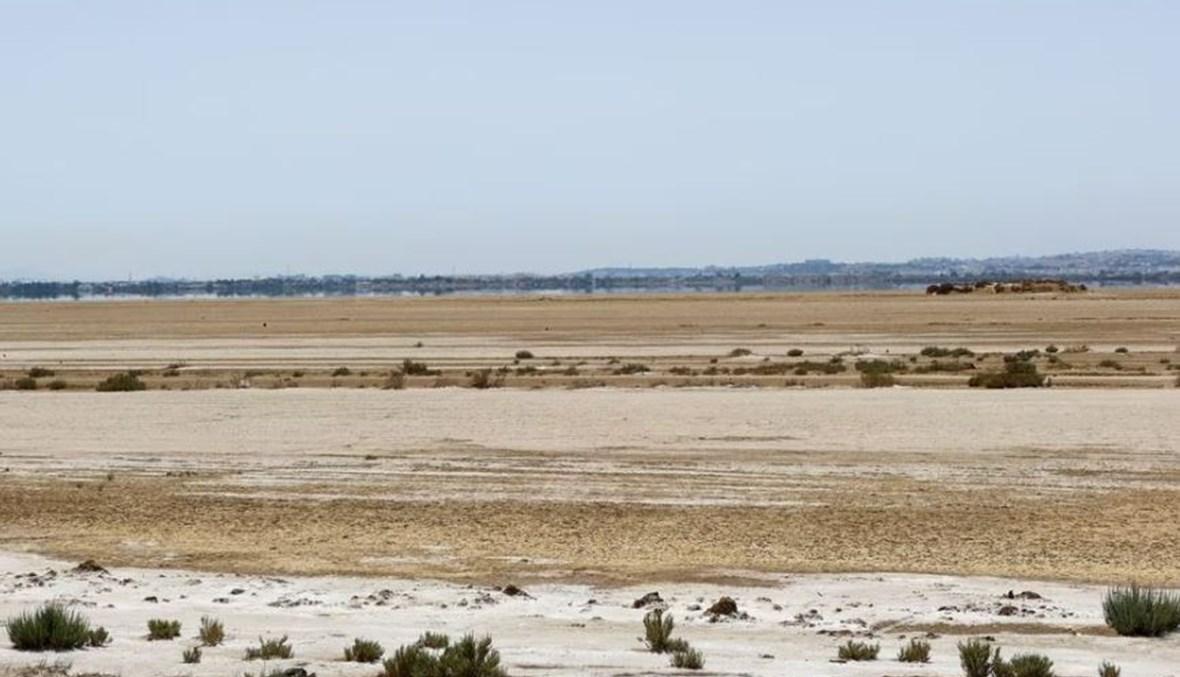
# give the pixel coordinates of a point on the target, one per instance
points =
(936, 351)
(483, 379)
(51, 627)
(858, 651)
(687, 658)
(342, 371)
(681, 371)
(159, 629)
(1023, 665)
(412, 368)
(270, 649)
(976, 658)
(632, 368)
(1111, 364)
(1018, 374)
(524, 355)
(395, 381)
(465, 658)
(807, 367)
(410, 661)
(795, 352)
(40, 372)
(363, 651)
(1051, 349)
(434, 640)
(192, 655)
(25, 383)
(1109, 670)
(1122, 349)
(1141, 612)
(917, 651)
(98, 637)
(58, 384)
(657, 632)
(870, 379)
(880, 366)
(740, 352)
(125, 382)
(212, 632)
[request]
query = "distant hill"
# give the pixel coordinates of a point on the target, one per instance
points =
(1117, 267)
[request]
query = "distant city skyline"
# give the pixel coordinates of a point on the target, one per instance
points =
(221, 139)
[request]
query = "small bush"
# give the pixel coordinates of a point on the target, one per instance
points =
(657, 631)
(159, 628)
(25, 383)
(342, 371)
(51, 627)
(858, 651)
(524, 355)
(412, 368)
(874, 380)
(1122, 349)
(58, 384)
(40, 372)
(880, 366)
(410, 661)
(98, 637)
(740, 352)
(1109, 670)
(482, 379)
(936, 351)
(471, 658)
(632, 368)
(976, 658)
(917, 651)
(125, 382)
(1051, 349)
(1023, 665)
(806, 367)
(433, 640)
(192, 655)
(1016, 374)
(795, 352)
(687, 658)
(395, 381)
(270, 649)
(363, 651)
(212, 632)
(1141, 612)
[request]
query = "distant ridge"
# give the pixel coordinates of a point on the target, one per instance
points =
(1114, 267)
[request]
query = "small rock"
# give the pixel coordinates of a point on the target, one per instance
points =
(237, 591)
(723, 607)
(1008, 610)
(152, 598)
(647, 600)
(513, 591)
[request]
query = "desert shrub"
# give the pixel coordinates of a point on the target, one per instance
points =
(1083, 348)
(1051, 349)
(270, 649)
(879, 366)
(1015, 375)
(917, 651)
(25, 383)
(1109, 670)
(192, 655)
(681, 371)
(795, 352)
(1141, 612)
(341, 371)
(363, 651)
(632, 368)
(98, 637)
(395, 381)
(125, 382)
(159, 628)
(410, 661)
(1111, 364)
(870, 379)
(936, 351)
(40, 372)
(976, 658)
(483, 379)
(58, 384)
(657, 631)
(51, 627)
(687, 658)
(937, 366)
(858, 651)
(1122, 349)
(524, 355)
(434, 640)
(526, 370)
(740, 352)
(412, 368)
(471, 658)
(806, 367)
(1023, 665)
(212, 632)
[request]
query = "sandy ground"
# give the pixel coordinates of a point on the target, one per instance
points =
(793, 625)
(603, 485)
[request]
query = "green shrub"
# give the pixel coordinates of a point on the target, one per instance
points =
(795, 352)
(858, 651)
(270, 649)
(1023, 665)
(874, 380)
(342, 371)
(410, 661)
(632, 368)
(657, 630)
(1109, 670)
(470, 658)
(880, 366)
(159, 628)
(192, 655)
(976, 658)
(125, 382)
(412, 368)
(807, 366)
(434, 640)
(40, 372)
(25, 383)
(363, 651)
(936, 351)
(212, 632)
(687, 658)
(917, 651)
(98, 637)
(524, 355)
(51, 627)
(1016, 374)
(1141, 612)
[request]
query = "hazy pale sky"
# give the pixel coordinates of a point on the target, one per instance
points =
(211, 138)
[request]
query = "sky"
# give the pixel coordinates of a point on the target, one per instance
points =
(240, 138)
